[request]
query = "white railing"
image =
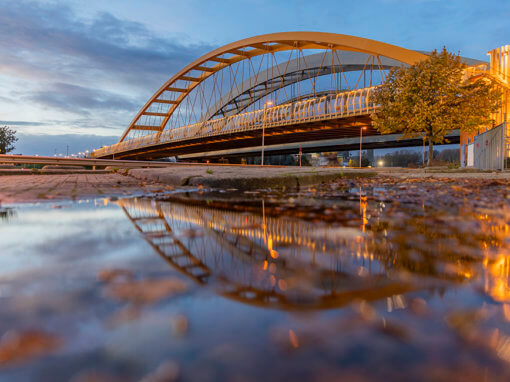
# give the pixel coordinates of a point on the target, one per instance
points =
(340, 105)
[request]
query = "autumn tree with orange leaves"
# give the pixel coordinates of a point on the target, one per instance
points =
(430, 99)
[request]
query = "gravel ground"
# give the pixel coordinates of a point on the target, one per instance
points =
(33, 188)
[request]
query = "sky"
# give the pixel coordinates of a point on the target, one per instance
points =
(74, 73)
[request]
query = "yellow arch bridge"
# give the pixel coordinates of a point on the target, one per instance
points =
(292, 88)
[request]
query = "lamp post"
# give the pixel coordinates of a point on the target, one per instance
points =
(423, 154)
(360, 142)
(268, 103)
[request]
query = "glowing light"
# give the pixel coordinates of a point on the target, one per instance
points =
(380, 163)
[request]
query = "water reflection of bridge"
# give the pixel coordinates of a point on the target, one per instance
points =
(267, 261)
(290, 263)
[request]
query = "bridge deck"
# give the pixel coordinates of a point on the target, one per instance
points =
(333, 116)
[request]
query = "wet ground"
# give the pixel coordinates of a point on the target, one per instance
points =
(357, 280)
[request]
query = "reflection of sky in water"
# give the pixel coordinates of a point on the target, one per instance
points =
(44, 237)
(404, 308)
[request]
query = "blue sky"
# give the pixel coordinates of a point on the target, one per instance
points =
(74, 73)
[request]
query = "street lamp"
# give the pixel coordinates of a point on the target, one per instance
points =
(360, 141)
(380, 163)
(268, 103)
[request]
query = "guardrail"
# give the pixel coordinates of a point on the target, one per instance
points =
(25, 159)
(340, 105)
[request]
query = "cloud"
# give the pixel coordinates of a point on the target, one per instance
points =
(81, 100)
(61, 66)
(48, 145)
(21, 123)
(51, 39)
(99, 125)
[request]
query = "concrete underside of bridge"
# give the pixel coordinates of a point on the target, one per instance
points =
(323, 145)
(334, 135)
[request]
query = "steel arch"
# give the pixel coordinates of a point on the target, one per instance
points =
(261, 84)
(213, 62)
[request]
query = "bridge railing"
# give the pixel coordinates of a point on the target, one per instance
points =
(339, 105)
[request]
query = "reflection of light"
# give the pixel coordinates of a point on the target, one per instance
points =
(497, 269)
(272, 252)
(293, 339)
(467, 274)
(363, 209)
(498, 279)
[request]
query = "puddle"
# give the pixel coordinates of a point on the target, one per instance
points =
(342, 282)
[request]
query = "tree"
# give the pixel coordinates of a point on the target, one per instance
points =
(402, 158)
(449, 155)
(431, 98)
(7, 139)
(354, 162)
